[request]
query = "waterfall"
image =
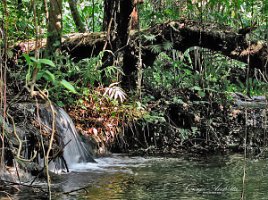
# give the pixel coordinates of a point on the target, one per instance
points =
(74, 150)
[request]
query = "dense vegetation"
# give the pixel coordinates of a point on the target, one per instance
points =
(172, 99)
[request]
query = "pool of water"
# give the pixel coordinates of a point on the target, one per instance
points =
(194, 178)
(214, 177)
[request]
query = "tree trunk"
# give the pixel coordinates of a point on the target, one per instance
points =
(108, 13)
(76, 17)
(117, 16)
(116, 20)
(54, 26)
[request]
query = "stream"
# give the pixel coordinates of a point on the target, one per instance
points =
(196, 178)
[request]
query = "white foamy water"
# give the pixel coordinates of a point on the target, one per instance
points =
(74, 150)
(113, 163)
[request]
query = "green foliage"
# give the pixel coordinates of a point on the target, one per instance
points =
(91, 71)
(20, 19)
(213, 74)
(91, 13)
(237, 14)
(45, 66)
(68, 86)
(72, 81)
(149, 38)
(38, 63)
(47, 75)
(154, 118)
(154, 11)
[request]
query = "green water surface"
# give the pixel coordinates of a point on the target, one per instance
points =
(194, 178)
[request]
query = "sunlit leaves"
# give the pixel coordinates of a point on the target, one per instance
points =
(68, 86)
(46, 62)
(43, 72)
(38, 62)
(91, 13)
(149, 38)
(34, 63)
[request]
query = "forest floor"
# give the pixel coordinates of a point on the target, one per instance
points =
(193, 124)
(202, 126)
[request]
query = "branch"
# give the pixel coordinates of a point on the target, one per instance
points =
(219, 38)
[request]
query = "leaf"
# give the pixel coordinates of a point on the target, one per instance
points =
(33, 59)
(115, 92)
(9, 53)
(49, 76)
(46, 62)
(68, 86)
(46, 75)
(28, 59)
(40, 74)
(201, 94)
(154, 118)
(197, 88)
(60, 103)
(177, 100)
(110, 70)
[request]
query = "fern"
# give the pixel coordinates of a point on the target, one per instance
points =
(111, 70)
(150, 37)
(156, 48)
(167, 46)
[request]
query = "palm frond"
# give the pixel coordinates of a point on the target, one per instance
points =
(115, 92)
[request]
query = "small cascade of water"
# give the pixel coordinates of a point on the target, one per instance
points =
(74, 150)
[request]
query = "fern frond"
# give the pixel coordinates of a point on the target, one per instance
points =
(155, 48)
(167, 45)
(150, 37)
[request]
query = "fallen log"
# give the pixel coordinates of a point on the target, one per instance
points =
(183, 34)
(84, 45)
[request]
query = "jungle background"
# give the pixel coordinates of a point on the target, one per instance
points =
(143, 77)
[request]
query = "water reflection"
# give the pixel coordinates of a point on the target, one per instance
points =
(217, 177)
(194, 178)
